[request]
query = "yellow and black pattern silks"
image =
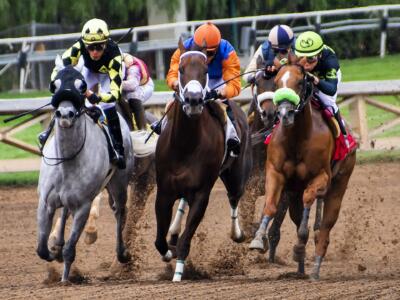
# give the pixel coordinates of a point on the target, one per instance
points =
(110, 63)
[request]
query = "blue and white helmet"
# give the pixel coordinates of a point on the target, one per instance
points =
(281, 36)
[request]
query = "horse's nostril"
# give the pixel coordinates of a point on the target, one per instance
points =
(58, 114)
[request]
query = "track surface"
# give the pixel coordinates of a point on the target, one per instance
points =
(363, 260)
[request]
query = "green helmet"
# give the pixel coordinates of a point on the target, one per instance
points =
(95, 31)
(308, 43)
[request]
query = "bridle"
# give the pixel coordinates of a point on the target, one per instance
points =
(60, 160)
(192, 84)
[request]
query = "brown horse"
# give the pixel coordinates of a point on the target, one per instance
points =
(262, 117)
(189, 156)
(299, 160)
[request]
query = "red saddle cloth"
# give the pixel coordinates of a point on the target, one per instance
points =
(340, 152)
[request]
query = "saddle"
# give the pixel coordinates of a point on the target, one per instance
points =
(329, 118)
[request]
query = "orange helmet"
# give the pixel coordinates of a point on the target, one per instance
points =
(209, 33)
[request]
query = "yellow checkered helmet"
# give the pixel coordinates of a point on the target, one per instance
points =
(95, 31)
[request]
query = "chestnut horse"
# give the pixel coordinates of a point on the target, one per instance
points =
(262, 117)
(299, 159)
(189, 156)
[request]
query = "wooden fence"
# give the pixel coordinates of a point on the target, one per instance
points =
(356, 95)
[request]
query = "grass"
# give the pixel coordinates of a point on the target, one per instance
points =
(18, 179)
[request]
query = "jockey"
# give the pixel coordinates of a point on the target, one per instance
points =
(223, 64)
(323, 66)
(137, 87)
(280, 42)
(100, 61)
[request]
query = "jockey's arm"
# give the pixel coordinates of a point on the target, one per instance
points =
(133, 77)
(252, 65)
(115, 74)
(172, 75)
(329, 77)
(69, 57)
(231, 69)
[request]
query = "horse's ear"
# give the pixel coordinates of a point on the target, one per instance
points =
(292, 58)
(259, 61)
(204, 47)
(181, 46)
(55, 85)
(277, 63)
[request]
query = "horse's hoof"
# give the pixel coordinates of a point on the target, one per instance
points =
(314, 277)
(173, 250)
(167, 257)
(239, 239)
(259, 244)
(124, 257)
(90, 237)
(177, 278)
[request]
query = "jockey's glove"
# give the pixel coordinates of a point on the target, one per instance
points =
(212, 94)
(93, 98)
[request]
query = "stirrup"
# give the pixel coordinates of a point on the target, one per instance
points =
(233, 147)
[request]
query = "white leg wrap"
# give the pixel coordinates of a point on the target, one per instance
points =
(175, 227)
(235, 228)
(178, 271)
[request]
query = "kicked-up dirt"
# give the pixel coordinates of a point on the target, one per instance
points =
(363, 260)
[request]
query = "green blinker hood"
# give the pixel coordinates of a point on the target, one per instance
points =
(286, 94)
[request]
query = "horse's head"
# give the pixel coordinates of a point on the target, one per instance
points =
(68, 99)
(193, 80)
(264, 94)
(292, 91)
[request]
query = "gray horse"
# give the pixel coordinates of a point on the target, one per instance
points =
(75, 168)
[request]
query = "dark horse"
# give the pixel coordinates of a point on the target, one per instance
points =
(189, 156)
(299, 160)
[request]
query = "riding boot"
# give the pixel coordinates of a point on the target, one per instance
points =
(118, 156)
(233, 141)
(43, 136)
(342, 127)
(138, 112)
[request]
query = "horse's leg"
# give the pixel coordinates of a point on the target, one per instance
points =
(45, 216)
(164, 205)
(91, 226)
(274, 185)
(274, 232)
(197, 208)
(56, 240)
(317, 222)
(235, 186)
(118, 197)
(316, 188)
(332, 203)
(175, 228)
(69, 251)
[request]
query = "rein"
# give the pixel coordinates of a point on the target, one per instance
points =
(61, 160)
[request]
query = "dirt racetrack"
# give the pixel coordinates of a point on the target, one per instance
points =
(363, 260)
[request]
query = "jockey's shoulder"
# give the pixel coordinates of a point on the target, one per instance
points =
(225, 48)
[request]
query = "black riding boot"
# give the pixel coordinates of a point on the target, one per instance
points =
(116, 136)
(232, 144)
(138, 112)
(43, 136)
(343, 130)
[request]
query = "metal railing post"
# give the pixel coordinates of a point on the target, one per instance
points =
(384, 23)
